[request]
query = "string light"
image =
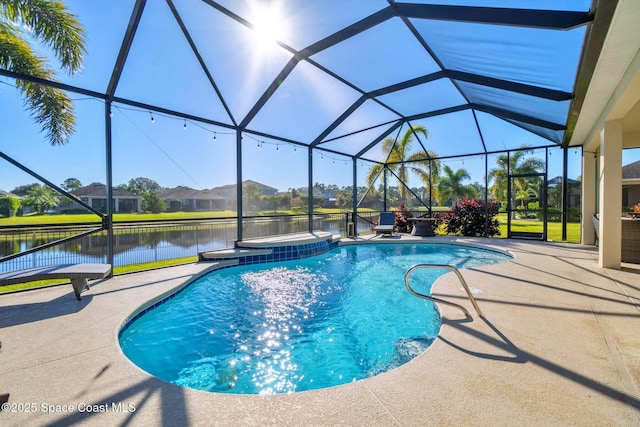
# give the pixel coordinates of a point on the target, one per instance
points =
(184, 170)
(260, 143)
(184, 121)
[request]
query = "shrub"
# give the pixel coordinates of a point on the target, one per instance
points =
(402, 215)
(9, 205)
(440, 219)
(471, 217)
(152, 202)
(555, 214)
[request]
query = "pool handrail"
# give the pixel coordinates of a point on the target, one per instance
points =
(430, 298)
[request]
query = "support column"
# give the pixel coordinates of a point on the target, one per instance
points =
(354, 197)
(310, 192)
(565, 192)
(588, 198)
(108, 218)
(384, 191)
(610, 200)
(239, 207)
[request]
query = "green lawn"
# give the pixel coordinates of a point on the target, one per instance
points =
(554, 229)
(34, 219)
(116, 271)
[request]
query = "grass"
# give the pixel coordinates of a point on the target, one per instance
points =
(31, 285)
(554, 229)
(554, 233)
(35, 219)
(132, 268)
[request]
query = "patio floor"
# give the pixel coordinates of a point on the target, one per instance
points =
(560, 345)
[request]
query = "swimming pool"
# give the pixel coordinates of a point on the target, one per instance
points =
(296, 325)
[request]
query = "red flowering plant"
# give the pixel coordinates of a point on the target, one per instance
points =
(471, 217)
(636, 208)
(402, 219)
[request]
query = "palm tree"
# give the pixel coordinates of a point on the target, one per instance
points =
(516, 163)
(51, 23)
(524, 195)
(450, 185)
(401, 163)
(41, 198)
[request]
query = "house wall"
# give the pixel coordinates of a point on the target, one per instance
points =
(630, 195)
(195, 204)
(120, 205)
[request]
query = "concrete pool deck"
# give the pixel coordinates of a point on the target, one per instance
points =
(559, 345)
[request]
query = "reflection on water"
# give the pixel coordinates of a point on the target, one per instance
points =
(295, 325)
(148, 243)
(287, 299)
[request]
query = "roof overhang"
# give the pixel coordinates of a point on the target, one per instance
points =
(614, 90)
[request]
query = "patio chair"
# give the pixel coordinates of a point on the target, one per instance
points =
(386, 223)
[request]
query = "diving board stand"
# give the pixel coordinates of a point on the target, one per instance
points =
(78, 274)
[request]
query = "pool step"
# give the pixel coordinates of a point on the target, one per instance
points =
(275, 248)
(232, 253)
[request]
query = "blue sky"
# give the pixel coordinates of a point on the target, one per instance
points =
(163, 71)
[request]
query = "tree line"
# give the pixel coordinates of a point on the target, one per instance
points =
(41, 198)
(447, 185)
(448, 188)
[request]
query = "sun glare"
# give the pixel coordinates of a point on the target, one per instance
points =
(268, 24)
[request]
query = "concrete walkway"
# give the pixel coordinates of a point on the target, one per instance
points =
(559, 346)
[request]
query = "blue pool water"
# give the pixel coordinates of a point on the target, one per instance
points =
(297, 325)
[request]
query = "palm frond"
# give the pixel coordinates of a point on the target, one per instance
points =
(418, 129)
(373, 173)
(53, 25)
(51, 107)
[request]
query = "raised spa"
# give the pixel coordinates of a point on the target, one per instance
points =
(296, 325)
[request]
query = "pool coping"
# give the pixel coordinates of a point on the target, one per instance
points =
(519, 365)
